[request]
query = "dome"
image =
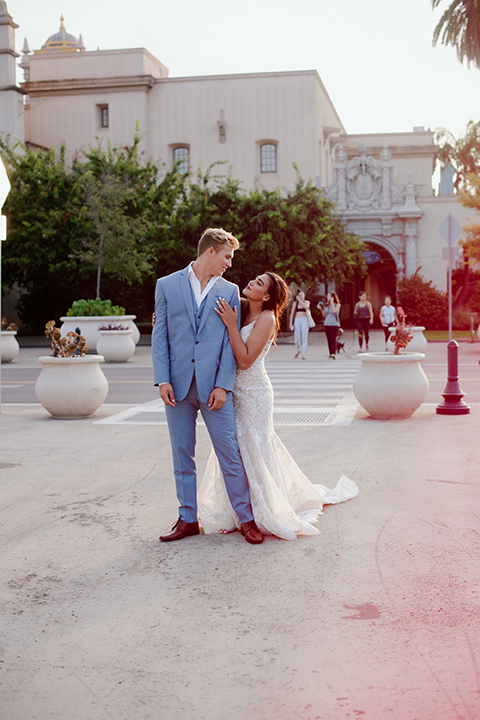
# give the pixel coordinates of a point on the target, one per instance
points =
(62, 40)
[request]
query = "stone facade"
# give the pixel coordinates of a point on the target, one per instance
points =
(259, 125)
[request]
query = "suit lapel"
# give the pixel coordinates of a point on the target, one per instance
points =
(187, 295)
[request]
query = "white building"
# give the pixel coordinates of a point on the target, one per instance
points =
(260, 124)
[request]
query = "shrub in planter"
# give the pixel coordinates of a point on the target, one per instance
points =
(113, 326)
(115, 343)
(95, 307)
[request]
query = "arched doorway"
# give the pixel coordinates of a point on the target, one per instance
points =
(380, 281)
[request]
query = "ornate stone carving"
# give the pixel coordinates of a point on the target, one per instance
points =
(364, 190)
(364, 181)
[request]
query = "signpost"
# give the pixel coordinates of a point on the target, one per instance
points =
(452, 403)
(450, 230)
(371, 256)
(4, 190)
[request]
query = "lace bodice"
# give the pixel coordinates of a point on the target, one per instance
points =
(251, 385)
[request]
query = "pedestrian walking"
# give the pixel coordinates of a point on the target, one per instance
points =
(299, 323)
(388, 318)
(331, 313)
(363, 315)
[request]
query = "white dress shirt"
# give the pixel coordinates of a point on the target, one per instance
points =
(196, 287)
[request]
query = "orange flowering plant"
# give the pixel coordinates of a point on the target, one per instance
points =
(402, 335)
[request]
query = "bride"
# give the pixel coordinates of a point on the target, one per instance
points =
(284, 501)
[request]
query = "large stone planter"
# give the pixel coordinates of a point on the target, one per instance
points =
(9, 345)
(71, 387)
(390, 386)
(418, 343)
(89, 326)
(116, 345)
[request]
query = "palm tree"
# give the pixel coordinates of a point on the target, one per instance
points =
(463, 152)
(460, 26)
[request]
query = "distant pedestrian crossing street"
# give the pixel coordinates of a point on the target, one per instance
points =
(305, 393)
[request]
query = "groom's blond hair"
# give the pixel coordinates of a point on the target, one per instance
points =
(216, 237)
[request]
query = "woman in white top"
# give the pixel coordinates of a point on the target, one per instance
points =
(388, 318)
(299, 323)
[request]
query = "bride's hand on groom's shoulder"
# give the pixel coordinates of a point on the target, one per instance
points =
(228, 314)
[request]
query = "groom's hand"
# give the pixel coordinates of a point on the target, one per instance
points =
(217, 399)
(167, 394)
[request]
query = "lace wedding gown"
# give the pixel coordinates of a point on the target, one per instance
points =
(284, 501)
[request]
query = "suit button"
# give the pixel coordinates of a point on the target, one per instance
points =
(196, 342)
(193, 360)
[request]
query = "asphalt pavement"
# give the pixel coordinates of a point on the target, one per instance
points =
(376, 617)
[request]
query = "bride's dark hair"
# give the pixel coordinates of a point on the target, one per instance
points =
(278, 296)
(277, 301)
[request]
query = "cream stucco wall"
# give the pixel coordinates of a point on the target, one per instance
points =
(94, 64)
(278, 107)
(74, 120)
(430, 242)
(291, 109)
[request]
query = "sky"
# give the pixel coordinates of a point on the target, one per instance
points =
(375, 57)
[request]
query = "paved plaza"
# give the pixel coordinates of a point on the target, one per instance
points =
(376, 617)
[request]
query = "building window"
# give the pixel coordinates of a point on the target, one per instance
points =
(268, 158)
(104, 120)
(181, 159)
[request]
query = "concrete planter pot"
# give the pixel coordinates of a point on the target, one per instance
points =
(71, 387)
(116, 345)
(89, 326)
(390, 386)
(9, 345)
(418, 343)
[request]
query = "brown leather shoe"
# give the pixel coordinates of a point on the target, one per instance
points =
(251, 533)
(181, 530)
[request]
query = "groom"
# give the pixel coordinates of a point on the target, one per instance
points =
(194, 366)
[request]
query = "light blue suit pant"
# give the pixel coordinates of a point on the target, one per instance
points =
(221, 426)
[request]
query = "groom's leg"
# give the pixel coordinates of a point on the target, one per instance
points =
(181, 421)
(221, 427)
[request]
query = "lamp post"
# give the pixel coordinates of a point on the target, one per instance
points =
(4, 190)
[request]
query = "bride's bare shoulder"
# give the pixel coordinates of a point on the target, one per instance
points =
(267, 317)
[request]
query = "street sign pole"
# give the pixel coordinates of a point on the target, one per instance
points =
(452, 395)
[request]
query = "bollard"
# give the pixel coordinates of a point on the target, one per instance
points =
(452, 395)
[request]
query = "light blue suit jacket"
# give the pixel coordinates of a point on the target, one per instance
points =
(178, 350)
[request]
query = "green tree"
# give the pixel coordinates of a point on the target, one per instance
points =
(298, 234)
(109, 226)
(422, 302)
(463, 153)
(40, 254)
(295, 233)
(459, 26)
(115, 190)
